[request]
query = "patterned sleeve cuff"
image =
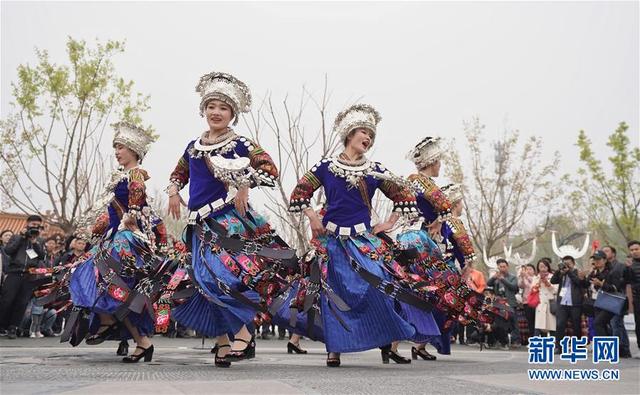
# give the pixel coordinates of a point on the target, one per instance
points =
(407, 209)
(262, 178)
(299, 205)
(303, 192)
(444, 215)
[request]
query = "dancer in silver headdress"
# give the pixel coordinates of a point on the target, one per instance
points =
(115, 279)
(238, 263)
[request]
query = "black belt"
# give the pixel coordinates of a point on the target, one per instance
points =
(237, 245)
(286, 256)
(387, 287)
(77, 326)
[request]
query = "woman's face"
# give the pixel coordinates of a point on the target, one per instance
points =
(50, 245)
(6, 236)
(219, 114)
(124, 155)
(529, 270)
(361, 140)
(542, 268)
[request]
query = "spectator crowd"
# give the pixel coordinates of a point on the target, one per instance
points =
(539, 300)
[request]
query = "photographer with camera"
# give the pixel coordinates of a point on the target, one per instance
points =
(24, 252)
(505, 285)
(569, 300)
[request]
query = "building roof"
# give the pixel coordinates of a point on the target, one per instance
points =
(16, 222)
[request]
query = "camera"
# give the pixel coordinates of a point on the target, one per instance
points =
(33, 231)
(562, 266)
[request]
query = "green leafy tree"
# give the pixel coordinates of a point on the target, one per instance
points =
(611, 200)
(52, 155)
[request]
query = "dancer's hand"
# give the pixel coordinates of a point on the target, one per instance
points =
(317, 229)
(382, 227)
(174, 205)
(242, 200)
(434, 228)
(129, 222)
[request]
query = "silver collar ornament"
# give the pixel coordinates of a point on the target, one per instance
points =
(352, 174)
(219, 146)
(235, 172)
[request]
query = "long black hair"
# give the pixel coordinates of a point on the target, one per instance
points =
(546, 262)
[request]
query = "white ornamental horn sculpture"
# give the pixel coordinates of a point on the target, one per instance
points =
(507, 251)
(567, 249)
(517, 259)
(490, 263)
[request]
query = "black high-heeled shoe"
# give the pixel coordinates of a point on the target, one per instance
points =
(384, 353)
(221, 362)
(291, 348)
(100, 337)
(333, 362)
(248, 352)
(397, 358)
(123, 348)
(147, 354)
(214, 349)
(422, 353)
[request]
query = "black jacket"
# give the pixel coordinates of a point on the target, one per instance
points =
(17, 248)
(5, 261)
(622, 270)
(614, 278)
(577, 286)
(634, 271)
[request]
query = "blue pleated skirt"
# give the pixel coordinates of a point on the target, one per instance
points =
(302, 325)
(199, 312)
(374, 318)
(426, 246)
(83, 285)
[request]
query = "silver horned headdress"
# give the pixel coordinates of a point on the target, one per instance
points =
(356, 116)
(133, 137)
(226, 88)
(426, 152)
(453, 192)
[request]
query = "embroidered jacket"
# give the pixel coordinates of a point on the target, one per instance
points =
(196, 169)
(129, 196)
(432, 202)
(434, 205)
(349, 191)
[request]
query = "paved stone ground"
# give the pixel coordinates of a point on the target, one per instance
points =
(182, 366)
